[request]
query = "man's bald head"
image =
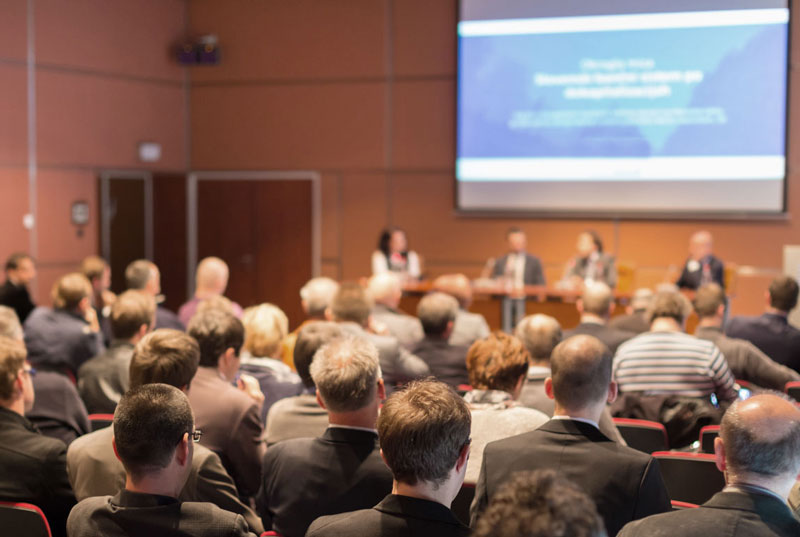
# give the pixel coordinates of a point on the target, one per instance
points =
(581, 372)
(386, 288)
(456, 285)
(212, 275)
(540, 334)
(596, 299)
(701, 244)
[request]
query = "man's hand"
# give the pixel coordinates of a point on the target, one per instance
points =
(249, 385)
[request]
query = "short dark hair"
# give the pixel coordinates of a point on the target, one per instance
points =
(129, 312)
(311, 338)
(138, 273)
(708, 300)
(581, 371)
(13, 261)
(435, 311)
(669, 304)
(541, 503)
(12, 359)
(422, 430)
(513, 229)
(166, 356)
(215, 332)
(783, 293)
(149, 422)
(351, 303)
(497, 362)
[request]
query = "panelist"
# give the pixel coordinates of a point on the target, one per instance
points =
(701, 267)
(520, 267)
(393, 255)
(591, 264)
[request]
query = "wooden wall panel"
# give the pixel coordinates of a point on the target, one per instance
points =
(331, 216)
(423, 125)
(13, 205)
(13, 115)
(364, 198)
(13, 29)
(424, 35)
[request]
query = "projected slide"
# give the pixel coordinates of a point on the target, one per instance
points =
(675, 111)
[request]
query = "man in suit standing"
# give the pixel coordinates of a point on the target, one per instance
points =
(340, 471)
(20, 272)
(518, 266)
(448, 363)
(758, 451)
(624, 483)
(386, 291)
(595, 306)
(701, 267)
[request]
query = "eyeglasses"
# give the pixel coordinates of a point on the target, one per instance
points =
(195, 435)
(30, 371)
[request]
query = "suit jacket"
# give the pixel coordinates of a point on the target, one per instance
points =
(533, 274)
(134, 513)
(691, 279)
(295, 417)
(395, 516)
(624, 483)
(727, 514)
(448, 363)
(632, 322)
(468, 328)
(103, 379)
(33, 469)
(17, 298)
(94, 470)
(231, 426)
(605, 269)
(167, 319)
(276, 380)
(612, 337)
(58, 411)
(398, 365)
(60, 339)
(772, 334)
(306, 478)
(407, 329)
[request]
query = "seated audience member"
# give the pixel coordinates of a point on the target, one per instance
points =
(424, 438)
(635, 317)
(393, 255)
(64, 337)
(169, 357)
(20, 272)
(230, 416)
(746, 361)
(624, 483)
(595, 306)
(315, 298)
(591, 264)
(351, 308)
(386, 291)
(701, 267)
(103, 379)
(340, 471)
(98, 272)
(497, 367)
(437, 313)
(518, 266)
(667, 361)
(540, 504)
(32, 466)
(143, 275)
(771, 332)
(758, 451)
(211, 279)
(265, 326)
(468, 327)
(154, 437)
(539, 335)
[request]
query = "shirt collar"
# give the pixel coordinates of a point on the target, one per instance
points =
(745, 488)
(353, 428)
(582, 420)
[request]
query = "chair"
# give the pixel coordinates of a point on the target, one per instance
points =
(646, 436)
(462, 502)
(100, 421)
(626, 277)
(707, 436)
(677, 506)
(23, 519)
(793, 390)
(271, 533)
(690, 477)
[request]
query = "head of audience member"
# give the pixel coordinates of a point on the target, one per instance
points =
(424, 434)
(539, 334)
(782, 294)
(143, 275)
(311, 338)
(20, 268)
(351, 303)
(580, 379)
(668, 311)
(709, 304)
(72, 292)
(211, 277)
(498, 362)
(347, 375)
(596, 303)
(10, 326)
(456, 285)
(701, 245)
(517, 240)
(98, 273)
(220, 336)
(393, 241)
(216, 303)
(132, 316)
(16, 385)
(154, 438)
(759, 443)
(316, 296)
(437, 313)
(265, 326)
(165, 356)
(589, 242)
(386, 288)
(540, 504)
(640, 300)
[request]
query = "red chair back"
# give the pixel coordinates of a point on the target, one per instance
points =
(462, 502)
(690, 477)
(646, 436)
(707, 436)
(100, 421)
(23, 519)
(793, 390)
(677, 506)
(271, 534)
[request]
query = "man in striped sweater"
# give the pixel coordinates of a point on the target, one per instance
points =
(668, 361)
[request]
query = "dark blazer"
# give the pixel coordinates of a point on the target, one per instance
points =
(167, 319)
(398, 365)
(726, 514)
(691, 279)
(534, 275)
(306, 478)
(772, 334)
(395, 516)
(33, 469)
(17, 298)
(630, 322)
(610, 336)
(624, 483)
(58, 411)
(103, 379)
(60, 339)
(448, 363)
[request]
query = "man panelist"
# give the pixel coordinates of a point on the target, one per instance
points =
(520, 267)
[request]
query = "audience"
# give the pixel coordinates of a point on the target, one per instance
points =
(315, 298)
(211, 280)
(437, 314)
(143, 275)
(701, 267)
(497, 366)
(518, 266)
(424, 438)
(386, 290)
(154, 435)
(340, 471)
(468, 327)
(758, 451)
(590, 265)
(20, 272)
(595, 306)
(624, 483)
(635, 318)
(393, 255)
(97, 271)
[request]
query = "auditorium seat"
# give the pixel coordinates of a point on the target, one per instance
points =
(677, 506)
(646, 436)
(793, 389)
(707, 436)
(270, 534)
(690, 477)
(100, 421)
(462, 501)
(23, 519)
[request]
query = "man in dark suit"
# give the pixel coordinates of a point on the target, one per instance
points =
(635, 317)
(595, 306)
(424, 436)
(518, 266)
(305, 478)
(701, 267)
(757, 450)
(154, 436)
(468, 326)
(448, 363)
(143, 275)
(624, 483)
(20, 272)
(771, 332)
(386, 290)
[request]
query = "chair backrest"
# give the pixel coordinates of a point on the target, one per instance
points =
(690, 477)
(23, 519)
(677, 506)
(793, 390)
(100, 421)
(707, 436)
(463, 500)
(271, 534)
(646, 436)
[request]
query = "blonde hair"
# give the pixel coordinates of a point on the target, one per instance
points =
(265, 326)
(70, 289)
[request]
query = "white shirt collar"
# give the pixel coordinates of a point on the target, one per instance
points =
(333, 426)
(582, 420)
